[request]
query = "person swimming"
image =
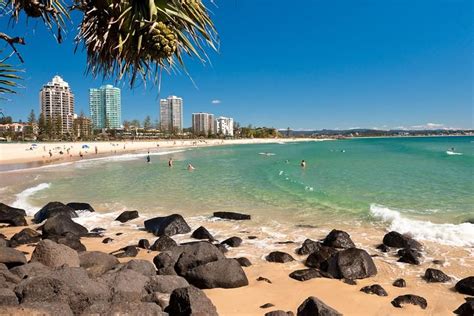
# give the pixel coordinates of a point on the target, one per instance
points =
(170, 162)
(148, 158)
(303, 164)
(190, 167)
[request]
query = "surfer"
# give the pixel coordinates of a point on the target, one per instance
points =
(148, 157)
(303, 164)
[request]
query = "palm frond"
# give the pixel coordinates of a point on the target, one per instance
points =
(8, 78)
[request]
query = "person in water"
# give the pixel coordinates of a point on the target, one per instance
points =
(170, 162)
(303, 163)
(148, 157)
(190, 167)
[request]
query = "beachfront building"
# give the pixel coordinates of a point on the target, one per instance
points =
(105, 107)
(171, 114)
(82, 126)
(225, 126)
(57, 103)
(203, 124)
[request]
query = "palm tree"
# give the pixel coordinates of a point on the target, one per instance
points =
(125, 39)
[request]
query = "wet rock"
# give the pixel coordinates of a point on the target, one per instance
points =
(466, 286)
(118, 234)
(164, 243)
(244, 262)
(309, 246)
(143, 243)
(53, 209)
(54, 255)
(224, 273)
(313, 306)
(279, 257)
(252, 237)
(98, 230)
(409, 299)
(7, 297)
(97, 263)
(352, 263)
(374, 289)
(202, 233)
(467, 308)
(410, 256)
(70, 240)
(264, 280)
(307, 274)
(165, 283)
(400, 283)
(62, 224)
(107, 240)
(233, 241)
(127, 216)
(190, 301)
(196, 254)
(232, 216)
(77, 206)
(168, 225)
(397, 240)
(25, 236)
(128, 251)
(338, 239)
(30, 270)
(319, 258)
(144, 267)
(11, 257)
(383, 248)
(267, 305)
(12, 215)
(279, 313)
(435, 275)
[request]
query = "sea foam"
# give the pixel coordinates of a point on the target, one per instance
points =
(448, 234)
(23, 197)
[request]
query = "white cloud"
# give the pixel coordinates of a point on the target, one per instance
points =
(216, 101)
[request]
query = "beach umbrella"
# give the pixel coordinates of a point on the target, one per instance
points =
(34, 145)
(85, 146)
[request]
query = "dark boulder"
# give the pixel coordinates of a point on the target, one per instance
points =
(60, 225)
(409, 299)
(7, 297)
(410, 256)
(98, 230)
(126, 285)
(244, 262)
(143, 243)
(319, 258)
(30, 270)
(262, 279)
(467, 308)
(349, 281)
(196, 254)
(222, 248)
(127, 216)
(233, 241)
(309, 246)
(70, 240)
(352, 263)
(313, 306)
(466, 286)
(435, 275)
(189, 301)
(77, 206)
(128, 251)
(308, 274)
(279, 313)
(144, 267)
(12, 215)
(400, 283)
(383, 248)
(7, 278)
(164, 243)
(202, 233)
(11, 257)
(279, 256)
(97, 263)
(53, 209)
(232, 215)
(397, 240)
(338, 239)
(225, 273)
(54, 255)
(25, 236)
(4, 242)
(374, 289)
(165, 283)
(167, 225)
(107, 240)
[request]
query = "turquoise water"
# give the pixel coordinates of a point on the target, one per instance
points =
(344, 180)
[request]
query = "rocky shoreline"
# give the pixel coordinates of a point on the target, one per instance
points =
(63, 278)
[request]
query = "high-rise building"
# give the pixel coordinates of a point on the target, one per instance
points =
(57, 104)
(171, 114)
(203, 124)
(105, 107)
(225, 126)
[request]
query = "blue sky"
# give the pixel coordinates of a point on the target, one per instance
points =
(306, 64)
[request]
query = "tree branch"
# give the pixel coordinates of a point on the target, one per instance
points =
(12, 41)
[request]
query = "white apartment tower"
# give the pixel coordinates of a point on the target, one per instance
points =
(225, 126)
(203, 124)
(171, 114)
(57, 102)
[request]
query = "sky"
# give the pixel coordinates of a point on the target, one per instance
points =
(308, 64)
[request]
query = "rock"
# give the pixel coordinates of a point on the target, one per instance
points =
(352, 263)
(7, 297)
(202, 233)
(127, 216)
(279, 313)
(222, 248)
(144, 267)
(107, 240)
(232, 215)
(400, 283)
(438, 261)
(165, 283)
(61, 224)
(307, 274)
(244, 262)
(309, 246)
(126, 285)
(313, 306)
(163, 243)
(279, 256)
(349, 281)
(338, 239)
(128, 251)
(252, 237)
(196, 254)
(225, 273)
(264, 280)
(165, 261)
(98, 230)
(54, 255)
(383, 248)
(168, 225)
(124, 309)
(143, 243)
(11, 257)
(233, 241)
(118, 234)
(287, 242)
(25, 236)
(190, 301)
(435, 275)
(7, 278)
(318, 259)
(4, 243)
(70, 240)
(409, 299)
(36, 309)
(374, 289)
(43, 289)
(30, 270)
(53, 209)
(97, 263)
(465, 286)
(397, 240)
(467, 308)
(410, 256)
(77, 206)
(12, 215)
(267, 305)
(162, 299)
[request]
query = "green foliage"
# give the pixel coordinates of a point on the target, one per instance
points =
(147, 122)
